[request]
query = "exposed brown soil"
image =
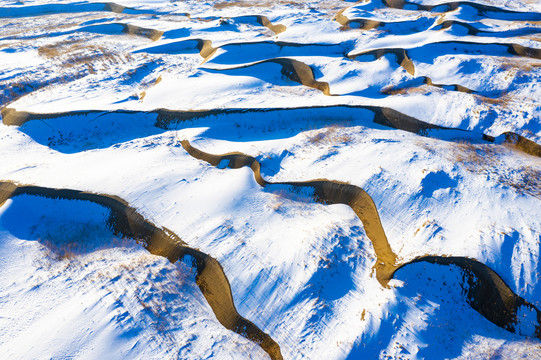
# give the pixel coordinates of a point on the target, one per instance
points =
(45, 9)
(223, 5)
(405, 61)
(401, 57)
(151, 34)
(277, 29)
(485, 291)
(294, 70)
(301, 73)
(369, 24)
(364, 24)
(127, 222)
(520, 50)
(427, 81)
(260, 19)
(452, 6)
(205, 48)
(450, 23)
(260, 3)
(263, 21)
(523, 144)
(381, 115)
(455, 87)
(326, 192)
(11, 116)
(116, 8)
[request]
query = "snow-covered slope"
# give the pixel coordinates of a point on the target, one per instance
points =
(425, 116)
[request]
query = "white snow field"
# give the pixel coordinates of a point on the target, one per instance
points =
(379, 196)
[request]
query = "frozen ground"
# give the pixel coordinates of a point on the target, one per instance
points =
(99, 97)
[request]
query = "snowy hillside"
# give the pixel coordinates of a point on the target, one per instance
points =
(270, 179)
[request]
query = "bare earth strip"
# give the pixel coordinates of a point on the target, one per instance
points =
(126, 221)
(486, 292)
(167, 119)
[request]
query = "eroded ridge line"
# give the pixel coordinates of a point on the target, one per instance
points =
(125, 221)
(452, 6)
(275, 28)
(294, 70)
(369, 24)
(148, 33)
(170, 119)
(46, 9)
(326, 192)
(260, 19)
(486, 292)
(442, 8)
(391, 90)
(404, 59)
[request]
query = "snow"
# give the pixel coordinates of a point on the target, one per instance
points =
(78, 292)
(300, 270)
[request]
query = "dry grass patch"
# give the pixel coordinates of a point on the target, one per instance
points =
(517, 63)
(392, 90)
(526, 180)
(491, 161)
(55, 50)
(503, 100)
(330, 7)
(475, 156)
(332, 135)
(73, 53)
(502, 165)
(223, 5)
(13, 90)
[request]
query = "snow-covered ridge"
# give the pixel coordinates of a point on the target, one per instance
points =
(486, 291)
(430, 107)
(230, 54)
(125, 221)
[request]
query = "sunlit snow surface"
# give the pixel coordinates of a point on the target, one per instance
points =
(300, 270)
